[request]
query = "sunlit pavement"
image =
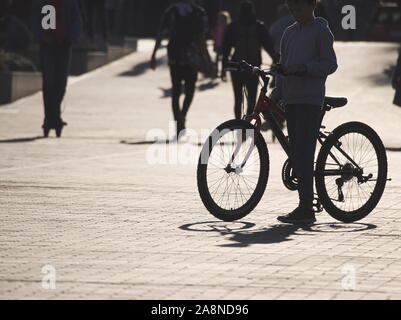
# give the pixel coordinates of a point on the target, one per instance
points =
(96, 214)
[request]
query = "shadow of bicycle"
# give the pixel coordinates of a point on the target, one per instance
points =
(241, 234)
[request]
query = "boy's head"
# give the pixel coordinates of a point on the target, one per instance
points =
(301, 10)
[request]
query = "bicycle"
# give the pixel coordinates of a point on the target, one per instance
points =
(233, 168)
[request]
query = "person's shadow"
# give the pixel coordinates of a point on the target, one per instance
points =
(274, 234)
(142, 67)
(245, 237)
(21, 140)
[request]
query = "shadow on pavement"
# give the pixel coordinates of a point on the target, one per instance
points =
(142, 67)
(384, 78)
(240, 236)
(20, 140)
(140, 143)
(274, 234)
(339, 227)
(211, 84)
(217, 226)
(166, 93)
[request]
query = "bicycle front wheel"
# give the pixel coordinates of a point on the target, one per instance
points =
(233, 170)
(351, 172)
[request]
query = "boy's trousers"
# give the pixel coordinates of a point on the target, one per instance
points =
(303, 124)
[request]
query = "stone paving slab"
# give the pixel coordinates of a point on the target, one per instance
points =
(115, 226)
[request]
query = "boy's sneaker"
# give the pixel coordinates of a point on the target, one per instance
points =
(299, 216)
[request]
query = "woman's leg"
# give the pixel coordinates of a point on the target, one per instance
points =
(176, 79)
(190, 78)
(63, 66)
(237, 88)
(252, 87)
(48, 66)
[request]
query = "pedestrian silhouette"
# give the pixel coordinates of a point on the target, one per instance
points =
(223, 20)
(396, 81)
(184, 23)
(276, 30)
(55, 55)
(247, 36)
(96, 9)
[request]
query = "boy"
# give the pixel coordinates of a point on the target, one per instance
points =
(308, 57)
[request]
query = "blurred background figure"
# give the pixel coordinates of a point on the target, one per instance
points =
(277, 29)
(396, 82)
(247, 36)
(320, 11)
(95, 11)
(112, 15)
(184, 23)
(55, 55)
(223, 20)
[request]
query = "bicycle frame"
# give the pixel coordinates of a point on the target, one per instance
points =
(267, 109)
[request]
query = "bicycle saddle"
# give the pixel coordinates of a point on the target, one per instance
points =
(332, 102)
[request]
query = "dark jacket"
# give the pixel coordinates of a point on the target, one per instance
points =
(71, 19)
(310, 45)
(397, 82)
(247, 41)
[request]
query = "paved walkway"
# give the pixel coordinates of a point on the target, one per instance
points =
(93, 213)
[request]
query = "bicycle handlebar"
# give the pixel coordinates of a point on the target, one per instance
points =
(243, 66)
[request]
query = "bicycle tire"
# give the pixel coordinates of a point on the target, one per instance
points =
(327, 202)
(216, 210)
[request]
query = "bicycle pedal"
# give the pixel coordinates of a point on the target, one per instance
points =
(317, 206)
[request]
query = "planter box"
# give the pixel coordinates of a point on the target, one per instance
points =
(130, 45)
(16, 85)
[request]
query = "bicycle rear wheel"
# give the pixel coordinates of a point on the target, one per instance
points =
(233, 170)
(351, 172)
